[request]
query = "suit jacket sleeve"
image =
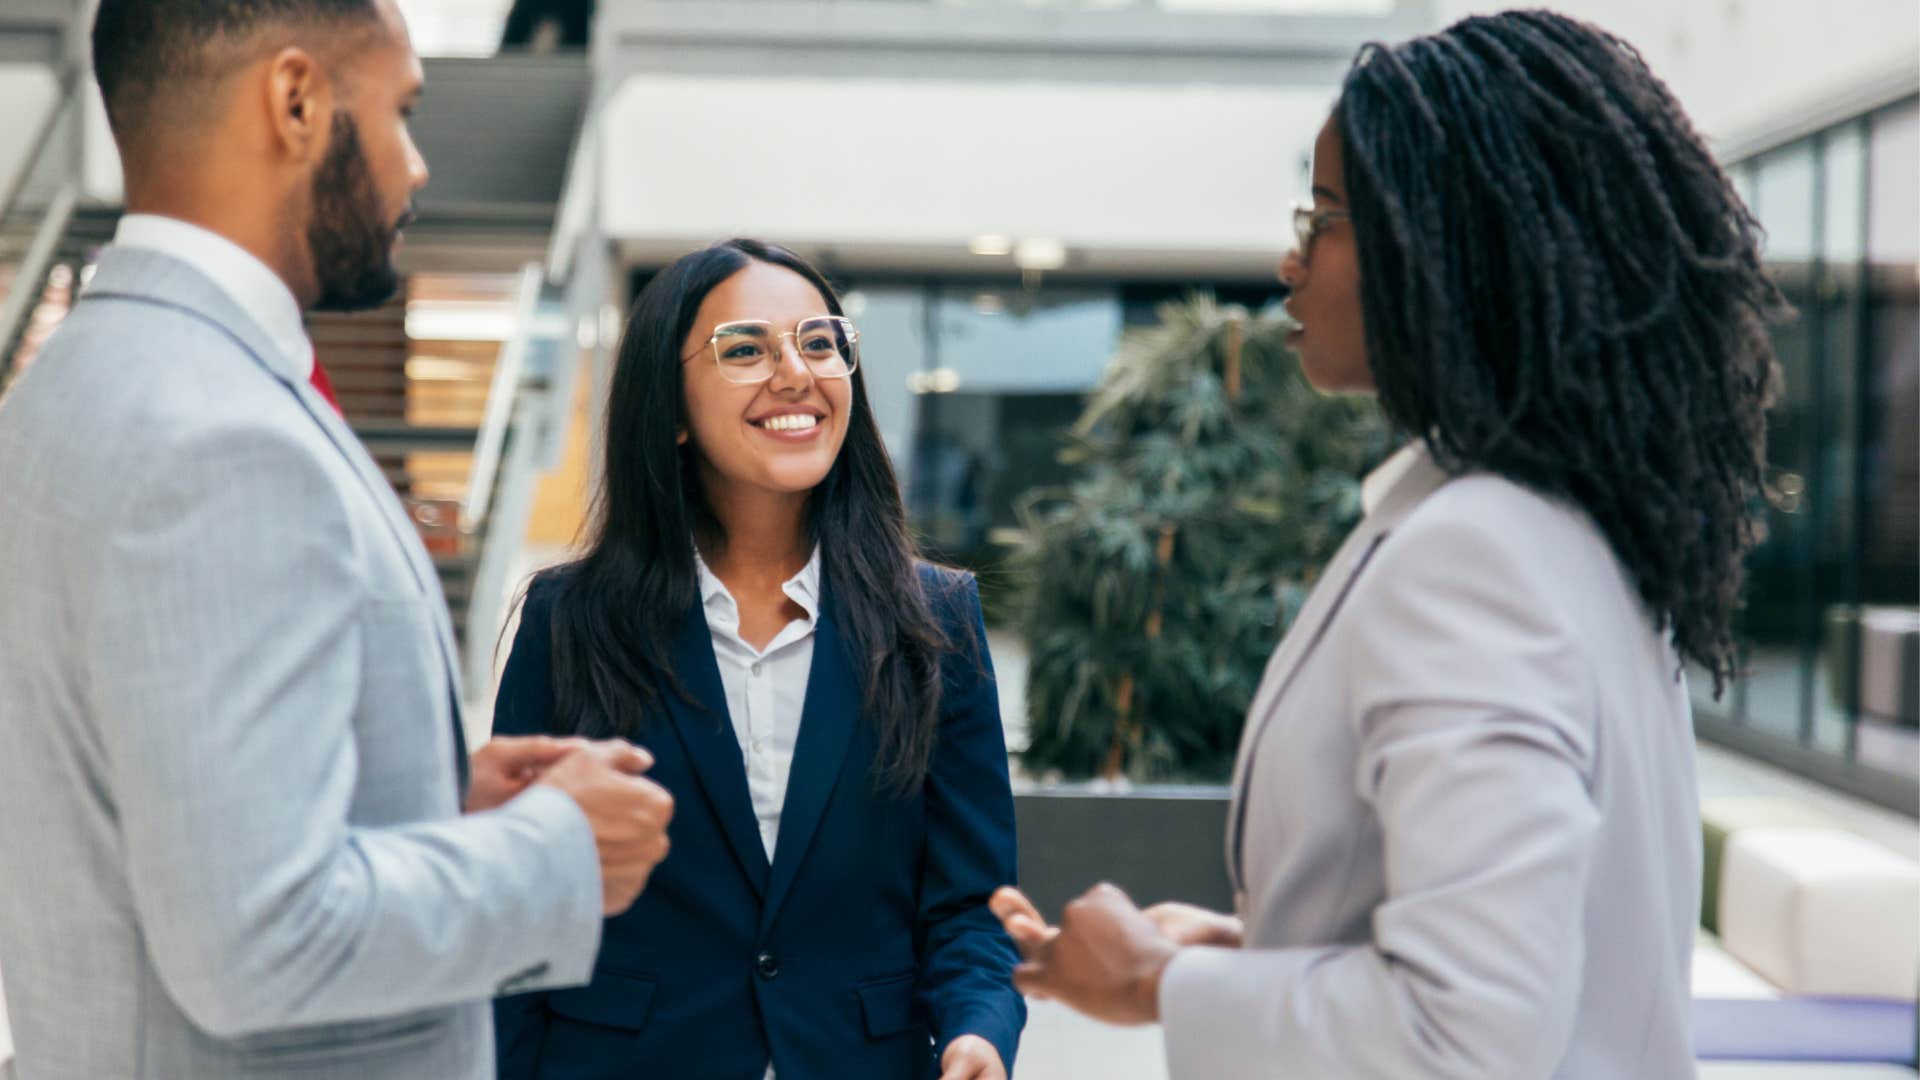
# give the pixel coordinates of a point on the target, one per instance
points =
(524, 706)
(226, 631)
(966, 975)
(1472, 701)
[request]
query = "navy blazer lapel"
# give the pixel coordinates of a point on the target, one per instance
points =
(826, 728)
(706, 731)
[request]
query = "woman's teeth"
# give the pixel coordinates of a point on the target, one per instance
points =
(792, 422)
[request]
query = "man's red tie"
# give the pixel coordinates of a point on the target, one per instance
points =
(324, 386)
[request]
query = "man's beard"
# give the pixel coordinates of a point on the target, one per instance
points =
(352, 245)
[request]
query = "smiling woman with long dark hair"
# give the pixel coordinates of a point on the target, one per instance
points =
(751, 608)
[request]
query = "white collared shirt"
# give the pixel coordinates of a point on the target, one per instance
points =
(246, 280)
(766, 688)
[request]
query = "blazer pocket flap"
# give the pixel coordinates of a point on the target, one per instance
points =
(319, 1045)
(617, 1001)
(887, 1006)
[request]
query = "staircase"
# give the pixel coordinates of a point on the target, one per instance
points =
(441, 416)
(88, 229)
(43, 230)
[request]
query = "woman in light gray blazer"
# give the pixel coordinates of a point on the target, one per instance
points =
(1465, 835)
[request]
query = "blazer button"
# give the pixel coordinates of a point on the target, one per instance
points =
(766, 965)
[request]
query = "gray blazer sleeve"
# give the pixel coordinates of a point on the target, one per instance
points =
(1472, 704)
(228, 634)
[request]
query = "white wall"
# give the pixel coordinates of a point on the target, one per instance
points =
(28, 91)
(1132, 172)
(1139, 169)
(100, 172)
(456, 27)
(1740, 66)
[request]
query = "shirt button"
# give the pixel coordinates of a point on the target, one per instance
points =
(756, 669)
(766, 965)
(759, 747)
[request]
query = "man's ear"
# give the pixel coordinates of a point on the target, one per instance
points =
(299, 104)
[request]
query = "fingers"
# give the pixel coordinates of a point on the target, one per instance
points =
(649, 813)
(956, 1065)
(627, 811)
(1029, 936)
(1026, 931)
(1101, 895)
(1187, 924)
(535, 751)
(1031, 980)
(1022, 921)
(625, 756)
(654, 800)
(1008, 901)
(971, 1057)
(1103, 899)
(525, 757)
(537, 755)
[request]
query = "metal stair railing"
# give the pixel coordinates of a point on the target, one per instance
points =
(501, 400)
(559, 312)
(37, 205)
(527, 414)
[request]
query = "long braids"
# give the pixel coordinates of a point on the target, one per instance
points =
(1562, 287)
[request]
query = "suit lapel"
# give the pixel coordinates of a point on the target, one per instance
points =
(156, 278)
(1421, 479)
(826, 728)
(1305, 633)
(399, 524)
(373, 479)
(707, 735)
(407, 536)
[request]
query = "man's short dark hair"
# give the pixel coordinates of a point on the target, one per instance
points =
(147, 51)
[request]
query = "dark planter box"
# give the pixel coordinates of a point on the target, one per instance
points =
(1158, 842)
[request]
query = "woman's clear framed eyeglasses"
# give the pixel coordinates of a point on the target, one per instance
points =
(748, 350)
(1309, 223)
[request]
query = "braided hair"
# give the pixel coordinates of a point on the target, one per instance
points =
(1561, 287)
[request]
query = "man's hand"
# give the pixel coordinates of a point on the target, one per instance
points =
(628, 812)
(1190, 924)
(1105, 958)
(971, 1057)
(508, 764)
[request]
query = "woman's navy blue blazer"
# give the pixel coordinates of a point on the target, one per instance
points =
(861, 951)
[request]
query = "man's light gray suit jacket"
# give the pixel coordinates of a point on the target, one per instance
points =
(230, 831)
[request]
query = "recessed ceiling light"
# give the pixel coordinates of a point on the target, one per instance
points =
(990, 245)
(938, 381)
(1040, 253)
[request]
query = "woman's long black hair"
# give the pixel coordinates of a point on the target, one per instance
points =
(616, 608)
(1560, 286)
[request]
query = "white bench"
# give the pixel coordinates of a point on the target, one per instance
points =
(1822, 912)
